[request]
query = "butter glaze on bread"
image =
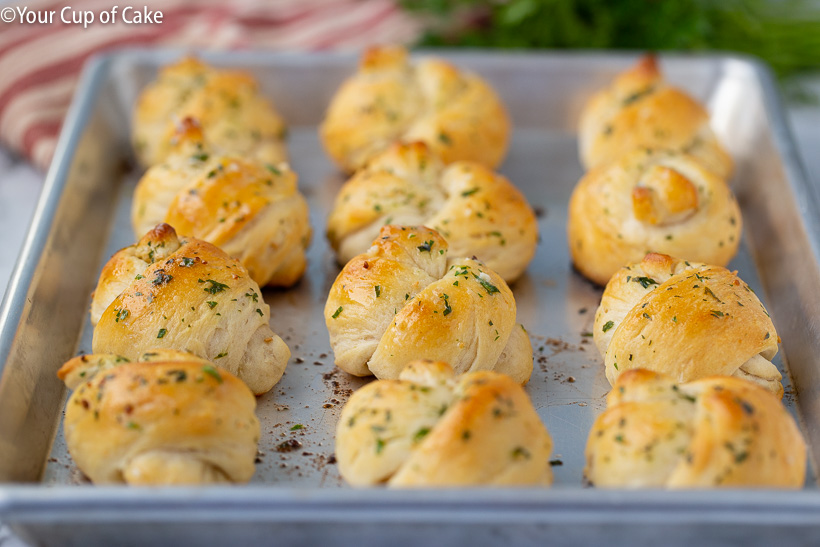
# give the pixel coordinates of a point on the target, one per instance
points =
(186, 294)
(651, 201)
(404, 299)
(228, 104)
(641, 110)
(685, 320)
(170, 419)
(432, 428)
(390, 99)
(713, 432)
(252, 211)
(479, 212)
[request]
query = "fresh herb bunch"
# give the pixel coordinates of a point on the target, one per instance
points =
(785, 33)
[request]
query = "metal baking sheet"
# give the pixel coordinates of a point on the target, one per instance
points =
(83, 218)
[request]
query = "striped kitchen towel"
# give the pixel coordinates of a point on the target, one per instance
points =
(41, 61)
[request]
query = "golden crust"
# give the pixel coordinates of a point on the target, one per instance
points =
(650, 202)
(455, 112)
(686, 320)
(177, 420)
(403, 299)
(235, 116)
(713, 432)
(431, 428)
(187, 294)
(252, 211)
(479, 212)
(640, 110)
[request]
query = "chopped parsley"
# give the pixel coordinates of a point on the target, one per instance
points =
(162, 333)
(420, 434)
(489, 287)
(469, 192)
(215, 286)
(426, 246)
(161, 278)
(338, 312)
(637, 95)
(378, 289)
(211, 304)
(645, 281)
(521, 452)
(121, 315)
(447, 309)
(608, 325)
(211, 371)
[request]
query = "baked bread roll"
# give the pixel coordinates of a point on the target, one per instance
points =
(252, 211)
(641, 110)
(174, 420)
(479, 212)
(713, 432)
(236, 117)
(186, 294)
(431, 428)
(404, 299)
(686, 320)
(650, 201)
(389, 99)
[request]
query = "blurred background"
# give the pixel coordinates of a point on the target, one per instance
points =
(41, 62)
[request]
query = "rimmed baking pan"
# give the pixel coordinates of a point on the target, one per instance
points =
(296, 494)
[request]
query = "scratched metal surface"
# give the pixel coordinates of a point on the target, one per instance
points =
(556, 305)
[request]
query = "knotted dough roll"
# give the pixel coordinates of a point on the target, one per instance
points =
(171, 418)
(713, 432)
(479, 212)
(252, 211)
(186, 294)
(403, 299)
(641, 110)
(389, 99)
(433, 428)
(236, 117)
(650, 201)
(686, 320)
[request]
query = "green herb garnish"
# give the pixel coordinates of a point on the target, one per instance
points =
(645, 281)
(426, 246)
(211, 371)
(215, 286)
(420, 434)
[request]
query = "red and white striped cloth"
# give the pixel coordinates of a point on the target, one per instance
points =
(40, 63)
